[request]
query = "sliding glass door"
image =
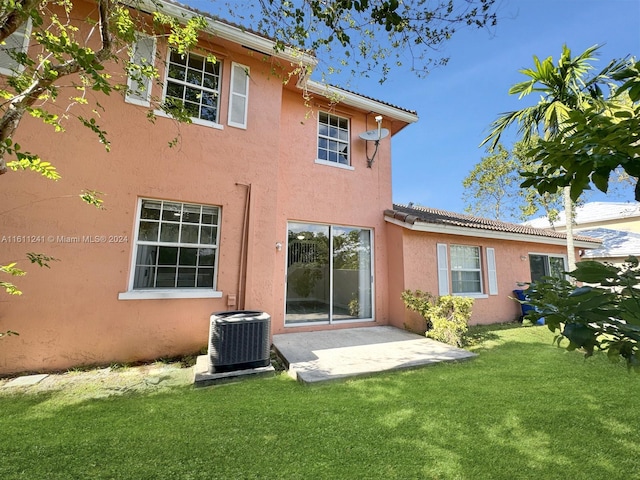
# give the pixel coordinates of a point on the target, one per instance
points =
(329, 274)
(547, 266)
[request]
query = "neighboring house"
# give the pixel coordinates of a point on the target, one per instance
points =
(616, 246)
(266, 203)
(610, 215)
(616, 224)
(449, 253)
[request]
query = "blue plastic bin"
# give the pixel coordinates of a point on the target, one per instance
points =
(525, 308)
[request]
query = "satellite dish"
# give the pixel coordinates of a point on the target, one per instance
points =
(372, 135)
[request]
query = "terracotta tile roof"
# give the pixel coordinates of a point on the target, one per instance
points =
(411, 215)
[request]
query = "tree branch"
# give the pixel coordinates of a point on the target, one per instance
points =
(19, 104)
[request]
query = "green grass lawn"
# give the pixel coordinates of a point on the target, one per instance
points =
(523, 409)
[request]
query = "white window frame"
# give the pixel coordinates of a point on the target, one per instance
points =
(235, 96)
(547, 256)
(478, 270)
(444, 270)
(372, 267)
(329, 138)
(26, 33)
(133, 95)
(194, 120)
(174, 292)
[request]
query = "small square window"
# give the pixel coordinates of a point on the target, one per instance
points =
(333, 138)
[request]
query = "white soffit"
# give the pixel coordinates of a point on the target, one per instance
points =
(223, 30)
(358, 101)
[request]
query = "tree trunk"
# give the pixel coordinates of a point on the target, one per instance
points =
(568, 212)
(19, 104)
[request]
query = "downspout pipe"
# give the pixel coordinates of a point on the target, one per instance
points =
(244, 244)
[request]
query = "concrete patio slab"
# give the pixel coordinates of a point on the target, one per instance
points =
(25, 380)
(313, 357)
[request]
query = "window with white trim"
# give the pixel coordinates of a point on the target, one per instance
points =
(15, 44)
(194, 82)
(466, 274)
(143, 53)
(333, 139)
(176, 245)
(547, 266)
(461, 267)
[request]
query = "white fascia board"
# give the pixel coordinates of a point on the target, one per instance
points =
(473, 232)
(224, 31)
(355, 100)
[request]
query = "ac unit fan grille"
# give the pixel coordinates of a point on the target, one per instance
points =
(241, 344)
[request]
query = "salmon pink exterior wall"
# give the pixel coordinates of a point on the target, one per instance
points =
(261, 177)
(417, 253)
(311, 192)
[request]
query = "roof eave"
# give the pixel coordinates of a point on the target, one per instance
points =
(354, 100)
(419, 226)
(225, 31)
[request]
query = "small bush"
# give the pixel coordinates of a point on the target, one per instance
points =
(447, 317)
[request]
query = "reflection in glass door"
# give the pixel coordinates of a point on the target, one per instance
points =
(329, 274)
(546, 266)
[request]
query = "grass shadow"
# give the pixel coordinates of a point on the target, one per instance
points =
(523, 409)
(486, 336)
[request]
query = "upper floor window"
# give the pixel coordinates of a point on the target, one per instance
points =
(194, 82)
(176, 245)
(15, 44)
(333, 139)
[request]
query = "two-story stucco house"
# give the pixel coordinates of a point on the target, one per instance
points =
(266, 202)
(270, 200)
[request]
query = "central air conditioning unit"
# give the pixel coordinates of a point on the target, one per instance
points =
(239, 340)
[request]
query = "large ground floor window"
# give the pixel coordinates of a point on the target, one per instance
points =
(329, 274)
(547, 266)
(176, 245)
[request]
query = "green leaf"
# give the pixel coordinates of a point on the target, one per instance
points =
(590, 271)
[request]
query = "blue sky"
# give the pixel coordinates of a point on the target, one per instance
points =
(457, 103)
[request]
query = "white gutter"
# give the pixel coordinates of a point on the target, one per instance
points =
(358, 101)
(493, 234)
(223, 30)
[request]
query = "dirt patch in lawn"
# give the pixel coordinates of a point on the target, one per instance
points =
(105, 382)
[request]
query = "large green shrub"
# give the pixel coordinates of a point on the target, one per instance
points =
(447, 317)
(601, 314)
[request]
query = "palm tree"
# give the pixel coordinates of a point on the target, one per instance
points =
(563, 88)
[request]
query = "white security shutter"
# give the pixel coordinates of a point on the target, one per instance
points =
(17, 42)
(239, 95)
(144, 52)
(491, 270)
(443, 270)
